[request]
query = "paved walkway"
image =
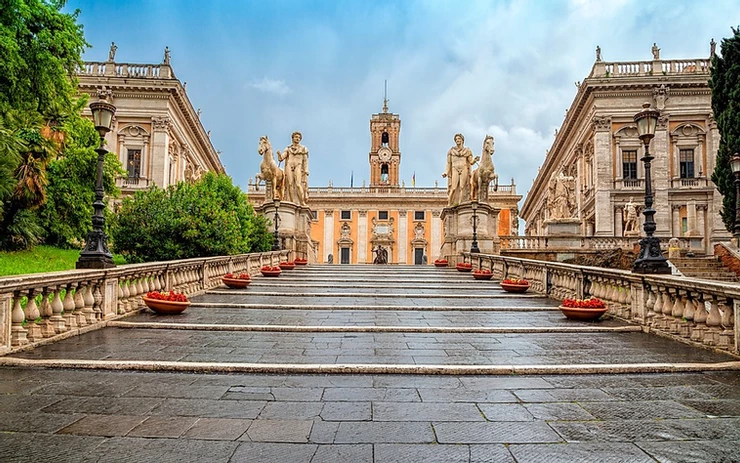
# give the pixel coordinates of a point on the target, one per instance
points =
(240, 376)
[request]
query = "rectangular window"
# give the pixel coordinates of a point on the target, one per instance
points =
(346, 215)
(686, 159)
(382, 215)
(418, 215)
(315, 215)
(629, 164)
(133, 163)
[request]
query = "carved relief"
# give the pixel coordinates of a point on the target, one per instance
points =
(602, 123)
(660, 95)
(345, 231)
(419, 231)
(662, 122)
(161, 123)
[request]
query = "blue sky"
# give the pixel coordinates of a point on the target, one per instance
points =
(506, 68)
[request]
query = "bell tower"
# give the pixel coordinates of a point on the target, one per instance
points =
(385, 157)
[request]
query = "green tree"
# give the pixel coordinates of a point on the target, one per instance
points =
(725, 85)
(40, 49)
(208, 218)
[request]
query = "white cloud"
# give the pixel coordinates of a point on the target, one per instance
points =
(267, 85)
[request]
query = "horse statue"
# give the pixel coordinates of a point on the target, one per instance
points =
(483, 175)
(269, 170)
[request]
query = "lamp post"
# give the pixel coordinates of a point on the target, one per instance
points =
(735, 165)
(651, 259)
(96, 253)
(276, 238)
(474, 244)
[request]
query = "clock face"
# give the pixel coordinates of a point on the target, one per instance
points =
(384, 154)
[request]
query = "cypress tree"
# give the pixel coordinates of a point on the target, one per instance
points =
(725, 85)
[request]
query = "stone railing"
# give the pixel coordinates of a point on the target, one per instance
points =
(650, 68)
(62, 304)
(129, 70)
(694, 310)
(502, 190)
(586, 243)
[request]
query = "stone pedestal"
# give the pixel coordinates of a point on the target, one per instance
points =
(458, 230)
(563, 233)
(294, 228)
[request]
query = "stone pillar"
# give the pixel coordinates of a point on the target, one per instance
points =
(661, 176)
(436, 237)
(362, 255)
(6, 323)
(160, 151)
(618, 225)
(676, 229)
(602, 160)
(403, 236)
(692, 229)
(329, 235)
(701, 226)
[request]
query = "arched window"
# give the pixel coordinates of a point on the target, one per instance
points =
(384, 139)
(384, 173)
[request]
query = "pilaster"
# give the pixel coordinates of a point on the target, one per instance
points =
(403, 237)
(362, 256)
(329, 235)
(436, 236)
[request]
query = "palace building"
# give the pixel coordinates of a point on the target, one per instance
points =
(349, 223)
(156, 132)
(596, 156)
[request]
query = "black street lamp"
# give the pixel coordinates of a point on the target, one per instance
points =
(735, 165)
(651, 259)
(96, 253)
(474, 245)
(276, 238)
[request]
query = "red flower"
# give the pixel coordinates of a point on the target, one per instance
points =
(167, 296)
(589, 303)
(516, 281)
(482, 272)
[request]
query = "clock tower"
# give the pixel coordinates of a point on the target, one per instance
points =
(385, 157)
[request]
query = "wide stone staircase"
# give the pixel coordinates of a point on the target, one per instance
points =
(705, 267)
(369, 364)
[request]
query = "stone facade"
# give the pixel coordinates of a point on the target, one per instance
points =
(598, 146)
(348, 223)
(156, 132)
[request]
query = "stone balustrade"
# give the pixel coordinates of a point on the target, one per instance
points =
(689, 309)
(542, 242)
(502, 190)
(128, 70)
(41, 308)
(650, 68)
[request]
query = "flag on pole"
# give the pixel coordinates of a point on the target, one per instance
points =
(352, 179)
(413, 179)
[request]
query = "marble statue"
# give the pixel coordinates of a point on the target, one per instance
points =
(561, 198)
(269, 170)
(112, 51)
(712, 48)
(631, 222)
(296, 170)
(598, 53)
(656, 51)
(459, 160)
(484, 174)
(167, 55)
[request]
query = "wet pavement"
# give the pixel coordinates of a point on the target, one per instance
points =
(90, 415)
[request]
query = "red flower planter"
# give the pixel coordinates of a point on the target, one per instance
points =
(287, 265)
(237, 283)
(464, 267)
(268, 271)
(300, 261)
(582, 314)
(478, 275)
(441, 263)
(512, 288)
(165, 307)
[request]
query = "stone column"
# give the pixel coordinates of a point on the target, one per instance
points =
(603, 157)
(701, 226)
(618, 225)
(436, 237)
(160, 151)
(691, 218)
(661, 177)
(362, 256)
(403, 236)
(329, 235)
(676, 229)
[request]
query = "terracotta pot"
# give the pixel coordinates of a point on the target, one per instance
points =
(301, 262)
(508, 287)
(583, 314)
(270, 273)
(236, 282)
(482, 276)
(165, 307)
(441, 264)
(464, 269)
(286, 266)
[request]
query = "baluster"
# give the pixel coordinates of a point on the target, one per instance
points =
(726, 337)
(677, 312)
(32, 313)
(120, 298)
(668, 302)
(658, 309)
(688, 315)
(98, 305)
(57, 308)
(70, 319)
(649, 305)
(700, 319)
(18, 334)
(713, 323)
(87, 296)
(47, 329)
(80, 304)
